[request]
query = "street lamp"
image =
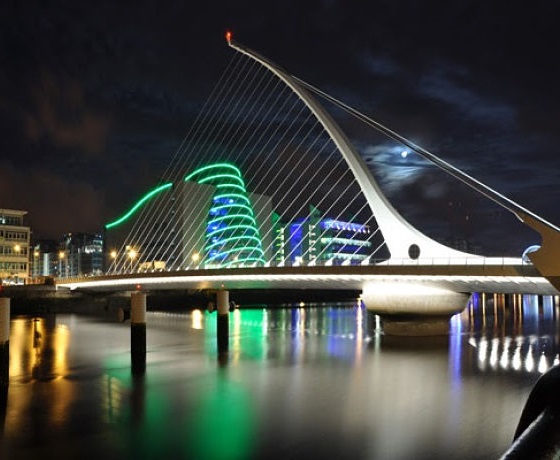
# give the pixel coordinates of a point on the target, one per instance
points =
(35, 264)
(195, 258)
(132, 254)
(61, 256)
(17, 250)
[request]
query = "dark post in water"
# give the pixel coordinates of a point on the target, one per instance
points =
(4, 341)
(138, 332)
(222, 299)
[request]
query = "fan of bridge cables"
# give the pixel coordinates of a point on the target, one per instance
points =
(256, 181)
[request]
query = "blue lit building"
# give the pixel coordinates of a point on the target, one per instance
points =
(316, 238)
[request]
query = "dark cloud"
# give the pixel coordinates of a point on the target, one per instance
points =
(60, 113)
(54, 199)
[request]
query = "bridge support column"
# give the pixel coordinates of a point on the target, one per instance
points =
(138, 332)
(222, 299)
(4, 341)
(413, 309)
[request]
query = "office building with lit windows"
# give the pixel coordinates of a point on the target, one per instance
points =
(44, 259)
(319, 239)
(14, 247)
(81, 254)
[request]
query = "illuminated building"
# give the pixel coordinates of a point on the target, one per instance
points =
(82, 254)
(316, 238)
(14, 247)
(232, 236)
(208, 219)
(44, 258)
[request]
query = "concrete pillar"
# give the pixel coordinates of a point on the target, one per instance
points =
(4, 341)
(138, 332)
(413, 309)
(222, 299)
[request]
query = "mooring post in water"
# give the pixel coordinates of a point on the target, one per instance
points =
(4, 341)
(138, 332)
(222, 299)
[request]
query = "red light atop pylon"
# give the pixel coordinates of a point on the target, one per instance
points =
(228, 36)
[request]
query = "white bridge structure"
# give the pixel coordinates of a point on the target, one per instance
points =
(267, 192)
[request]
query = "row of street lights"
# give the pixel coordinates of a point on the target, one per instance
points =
(132, 254)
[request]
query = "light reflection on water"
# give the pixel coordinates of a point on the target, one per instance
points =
(299, 382)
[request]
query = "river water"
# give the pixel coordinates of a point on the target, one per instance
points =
(301, 382)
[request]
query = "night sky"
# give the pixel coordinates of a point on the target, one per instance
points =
(95, 98)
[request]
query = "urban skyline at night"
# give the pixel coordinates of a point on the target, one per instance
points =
(96, 101)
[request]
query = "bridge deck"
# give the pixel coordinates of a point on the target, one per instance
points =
(505, 278)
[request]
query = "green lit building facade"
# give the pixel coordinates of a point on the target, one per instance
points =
(207, 220)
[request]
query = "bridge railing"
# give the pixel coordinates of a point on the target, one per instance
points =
(523, 267)
(454, 261)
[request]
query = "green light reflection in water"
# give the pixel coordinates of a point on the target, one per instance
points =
(224, 424)
(216, 419)
(248, 329)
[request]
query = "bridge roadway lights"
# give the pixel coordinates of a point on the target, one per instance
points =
(138, 332)
(413, 309)
(222, 299)
(4, 342)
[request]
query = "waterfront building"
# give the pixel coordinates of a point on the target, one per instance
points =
(14, 247)
(44, 258)
(211, 220)
(208, 219)
(80, 254)
(320, 239)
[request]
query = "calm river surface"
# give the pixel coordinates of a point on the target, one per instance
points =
(303, 382)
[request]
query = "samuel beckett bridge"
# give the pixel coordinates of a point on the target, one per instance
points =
(266, 191)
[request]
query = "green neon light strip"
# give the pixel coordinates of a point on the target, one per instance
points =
(231, 227)
(230, 251)
(241, 216)
(239, 187)
(231, 195)
(217, 165)
(222, 176)
(233, 205)
(233, 238)
(138, 204)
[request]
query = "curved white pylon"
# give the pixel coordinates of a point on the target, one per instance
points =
(400, 236)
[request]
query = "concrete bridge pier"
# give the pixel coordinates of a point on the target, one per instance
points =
(413, 309)
(4, 341)
(222, 299)
(138, 332)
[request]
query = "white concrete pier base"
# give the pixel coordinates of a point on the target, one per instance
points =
(138, 308)
(222, 299)
(413, 309)
(4, 341)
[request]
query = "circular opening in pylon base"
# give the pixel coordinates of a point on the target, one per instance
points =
(414, 251)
